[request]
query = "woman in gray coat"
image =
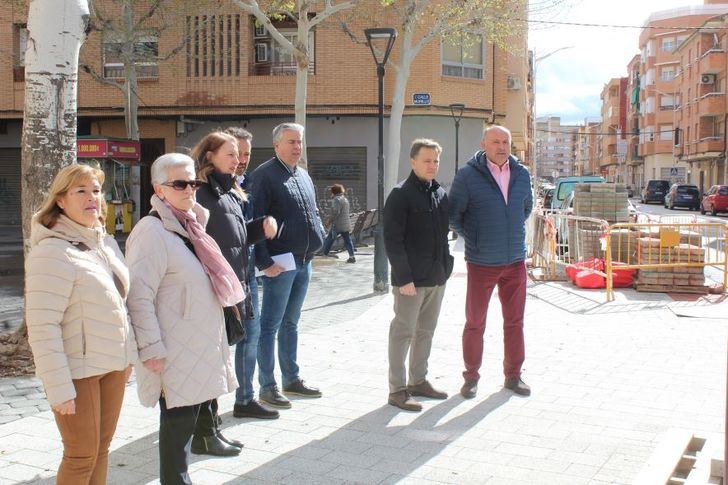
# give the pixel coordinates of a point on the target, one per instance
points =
(340, 223)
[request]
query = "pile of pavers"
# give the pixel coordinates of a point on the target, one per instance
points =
(683, 279)
(601, 201)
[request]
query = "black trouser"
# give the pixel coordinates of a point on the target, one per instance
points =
(176, 426)
(208, 420)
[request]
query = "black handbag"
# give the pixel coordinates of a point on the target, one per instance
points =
(234, 326)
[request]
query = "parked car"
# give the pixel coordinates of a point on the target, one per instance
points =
(715, 200)
(655, 191)
(683, 195)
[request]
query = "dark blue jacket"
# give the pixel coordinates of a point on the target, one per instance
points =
(494, 232)
(289, 196)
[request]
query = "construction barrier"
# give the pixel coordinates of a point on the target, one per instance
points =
(669, 256)
(671, 252)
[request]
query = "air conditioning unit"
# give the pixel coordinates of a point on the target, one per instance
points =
(707, 79)
(513, 83)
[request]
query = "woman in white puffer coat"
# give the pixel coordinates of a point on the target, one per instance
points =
(78, 328)
(180, 283)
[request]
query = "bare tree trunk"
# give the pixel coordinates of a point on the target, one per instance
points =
(56, 30)
(394, 146)
(302, 63)
(131, 111)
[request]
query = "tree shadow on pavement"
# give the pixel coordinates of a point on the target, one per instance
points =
(366, 441)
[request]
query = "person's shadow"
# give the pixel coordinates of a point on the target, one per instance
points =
(369, 439)
(361, 443)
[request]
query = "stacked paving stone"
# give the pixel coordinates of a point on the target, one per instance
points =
(678, 279)
(607, 202)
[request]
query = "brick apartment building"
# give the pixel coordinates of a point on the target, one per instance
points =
(661, 60)
(634, 174)
(556, 147)
(231, 72)
(612, 163)
(701, 111)
(588, 148)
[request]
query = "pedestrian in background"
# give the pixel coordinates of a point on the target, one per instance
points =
(180, 283)
(340, 223)
(246, 352)
(490, 199)
(76, 284)
(415, 237)
(285, 191)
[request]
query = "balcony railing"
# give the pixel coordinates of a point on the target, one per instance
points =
(712, 62)
(710, 144)
(711, 104)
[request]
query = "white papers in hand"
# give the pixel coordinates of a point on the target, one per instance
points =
(285, 260)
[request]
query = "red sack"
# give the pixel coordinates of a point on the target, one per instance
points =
(589, 279)
(594, 263)
(622, 278)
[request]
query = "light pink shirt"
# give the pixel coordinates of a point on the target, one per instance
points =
(502, 176)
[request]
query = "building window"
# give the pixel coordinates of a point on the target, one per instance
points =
(463, 57)
(667, 102)
(20, 42)
(667, 44)
(271, 58)
(146, 54)
(213, 45)
(667, 73)
(666, 132)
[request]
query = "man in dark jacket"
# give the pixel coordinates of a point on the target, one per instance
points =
(490, 200)
(285, 191)
(415, 237)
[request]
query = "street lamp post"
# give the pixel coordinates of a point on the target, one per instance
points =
(456, 111)
(380, 42)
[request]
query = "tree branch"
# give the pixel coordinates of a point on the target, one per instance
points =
(330, 10)
(89, 70)
(252, 7)
(156, 5)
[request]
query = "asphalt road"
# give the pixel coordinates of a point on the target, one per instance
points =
(659, 210)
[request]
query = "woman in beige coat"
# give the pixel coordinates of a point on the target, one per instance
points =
(180, 283)
(83, 346)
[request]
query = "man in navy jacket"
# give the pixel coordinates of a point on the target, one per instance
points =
(490, 200)
(285, 191)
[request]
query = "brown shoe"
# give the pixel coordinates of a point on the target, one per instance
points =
(425, 389)
(517, 385)
(403, 400)
(469, 389)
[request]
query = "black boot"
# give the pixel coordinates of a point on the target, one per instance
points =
(213, 445)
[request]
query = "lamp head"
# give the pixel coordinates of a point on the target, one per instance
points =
(380, 41)
(456, 111)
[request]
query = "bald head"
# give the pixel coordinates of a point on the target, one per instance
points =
(496, 143)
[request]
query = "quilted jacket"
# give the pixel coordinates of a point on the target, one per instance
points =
(340, 214)
(76, 282)
(175, 314)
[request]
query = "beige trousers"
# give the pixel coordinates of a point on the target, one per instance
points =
(415, 319)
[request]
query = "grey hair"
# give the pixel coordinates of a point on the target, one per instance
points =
(170, 160)
(421, 143)
(497, 127)
(278, 130)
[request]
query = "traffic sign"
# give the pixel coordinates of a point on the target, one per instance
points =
(673, 171)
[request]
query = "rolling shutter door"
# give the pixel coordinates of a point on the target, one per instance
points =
(10, 186)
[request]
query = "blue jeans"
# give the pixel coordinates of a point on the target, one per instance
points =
(282, 302)
(331, 237)
(246, 351)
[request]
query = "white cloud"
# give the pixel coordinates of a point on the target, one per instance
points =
(568, 83)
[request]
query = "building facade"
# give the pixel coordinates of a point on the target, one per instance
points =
(613, 137)
(660, 63)
(556, 148)
(229, 71)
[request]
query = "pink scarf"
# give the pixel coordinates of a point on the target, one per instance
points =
(225, 283)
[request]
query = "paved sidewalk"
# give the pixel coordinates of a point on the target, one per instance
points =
(609, 380)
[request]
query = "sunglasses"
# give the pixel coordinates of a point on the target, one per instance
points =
(182, 184)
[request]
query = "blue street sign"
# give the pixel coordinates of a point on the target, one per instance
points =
(421, 98)
(673, 171)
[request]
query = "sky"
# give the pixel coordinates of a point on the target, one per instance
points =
(568, 83)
